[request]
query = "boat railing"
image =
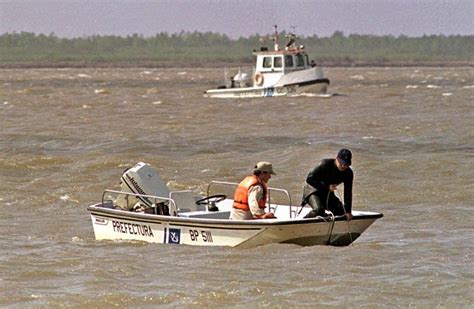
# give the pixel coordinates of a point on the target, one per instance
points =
(270, 189)
(156, 199)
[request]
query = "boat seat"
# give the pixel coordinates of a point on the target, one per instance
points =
(207, 214)
(185, 200)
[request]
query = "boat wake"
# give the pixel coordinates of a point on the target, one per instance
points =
(319, 95)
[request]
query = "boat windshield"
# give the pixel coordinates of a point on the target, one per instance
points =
(277, 62)
(289, 61)
(300, 60)
(267, 62)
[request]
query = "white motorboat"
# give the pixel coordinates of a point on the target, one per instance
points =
(183, 217)
(281, 72)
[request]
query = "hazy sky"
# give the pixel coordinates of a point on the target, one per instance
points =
(76, 18)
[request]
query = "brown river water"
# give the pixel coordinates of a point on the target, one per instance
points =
(68, 134)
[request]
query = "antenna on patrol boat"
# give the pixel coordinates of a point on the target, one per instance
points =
(275, 39)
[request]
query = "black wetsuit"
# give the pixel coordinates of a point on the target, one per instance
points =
(316, 192)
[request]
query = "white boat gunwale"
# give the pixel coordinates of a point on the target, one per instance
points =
(104, 211)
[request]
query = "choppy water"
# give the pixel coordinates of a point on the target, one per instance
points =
(65, 135)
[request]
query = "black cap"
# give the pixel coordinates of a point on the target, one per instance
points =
(345, 156)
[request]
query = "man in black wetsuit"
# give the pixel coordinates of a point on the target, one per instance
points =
(323, 180)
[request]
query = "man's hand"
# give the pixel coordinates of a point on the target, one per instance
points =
(332, 188)
(268, 215)
(348, 216)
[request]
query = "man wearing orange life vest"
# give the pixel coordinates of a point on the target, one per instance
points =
(251, 194)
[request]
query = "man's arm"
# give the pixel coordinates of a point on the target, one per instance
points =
(256, 194)
(316, 176)
(348, 182)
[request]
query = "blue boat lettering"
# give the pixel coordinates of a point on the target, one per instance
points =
(268, 92)
(132, 228)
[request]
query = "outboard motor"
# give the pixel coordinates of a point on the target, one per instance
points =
(141, 179)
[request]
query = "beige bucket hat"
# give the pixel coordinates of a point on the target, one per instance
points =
(264, 167)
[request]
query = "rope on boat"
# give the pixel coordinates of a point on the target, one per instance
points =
(333, 221)
(348, 224)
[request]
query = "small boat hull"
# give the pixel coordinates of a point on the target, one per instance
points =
(214, 229)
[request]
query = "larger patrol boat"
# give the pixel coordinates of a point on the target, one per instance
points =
(282, 72)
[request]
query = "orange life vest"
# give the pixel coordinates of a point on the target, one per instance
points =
(241, 196)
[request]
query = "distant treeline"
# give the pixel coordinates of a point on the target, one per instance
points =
(185, 48)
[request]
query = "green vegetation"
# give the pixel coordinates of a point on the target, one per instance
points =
(28, 49)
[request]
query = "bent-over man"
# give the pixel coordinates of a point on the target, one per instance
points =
(323, 180)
